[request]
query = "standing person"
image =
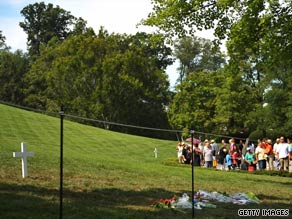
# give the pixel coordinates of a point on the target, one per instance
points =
(222, 155)
(290, 147)
(283, 154)
(186, 153)
(243, 152)
(201, 147)
(261, 156)
(275, 148)
(208, 155)
(240, 149)
(264, 143)
(241, 146)
(269, 152)
(251, 147)
(235, 157)
(231, 144)
(290, 152)
(197, 155)
(179, 149)
(214, 146)
(215, 150)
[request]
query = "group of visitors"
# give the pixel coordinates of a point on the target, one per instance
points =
(265, 155)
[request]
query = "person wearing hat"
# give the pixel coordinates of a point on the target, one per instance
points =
(249, 159)
(269, 152)
(179, 149)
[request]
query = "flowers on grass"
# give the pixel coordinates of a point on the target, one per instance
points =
(203, 199)
(165, 203)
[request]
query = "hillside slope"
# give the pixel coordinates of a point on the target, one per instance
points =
(108, 174)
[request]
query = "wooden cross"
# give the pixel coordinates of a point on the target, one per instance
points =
(23, 154)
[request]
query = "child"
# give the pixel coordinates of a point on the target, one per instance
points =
(228, 160)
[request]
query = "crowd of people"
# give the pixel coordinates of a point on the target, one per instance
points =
(265, 155)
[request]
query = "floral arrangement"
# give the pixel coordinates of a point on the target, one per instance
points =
(165, 203)
(202, 200)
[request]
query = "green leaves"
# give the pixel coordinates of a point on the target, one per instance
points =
(110, 77)
(193, 106)
(13, 67)
(197, 54)
(2, 41)
(43, 22)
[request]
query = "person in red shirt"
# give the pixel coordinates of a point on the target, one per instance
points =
(264, 143)
(270, 154)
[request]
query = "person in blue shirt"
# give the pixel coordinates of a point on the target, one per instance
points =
(228, 160)
(249, 158)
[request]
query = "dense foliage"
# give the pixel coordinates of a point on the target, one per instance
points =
(113, 77)
(43, 22)
(256, 92)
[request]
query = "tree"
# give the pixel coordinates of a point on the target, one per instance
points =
(3, 45)
(259, 46)
(193, 106)
(43, 22)
(13, 67)
(197, 54)
(110, 77)
(81, 28)
(258, 34)
(2, 40)
(234, 102)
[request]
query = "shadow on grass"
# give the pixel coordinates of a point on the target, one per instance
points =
(26, 201)
(32, 202)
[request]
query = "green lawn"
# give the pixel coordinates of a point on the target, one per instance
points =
(110, 175)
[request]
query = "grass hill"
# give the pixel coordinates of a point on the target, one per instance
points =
(109, 174)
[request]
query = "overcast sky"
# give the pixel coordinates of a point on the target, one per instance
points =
(119, 16)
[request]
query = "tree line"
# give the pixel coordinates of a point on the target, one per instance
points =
(121, 77)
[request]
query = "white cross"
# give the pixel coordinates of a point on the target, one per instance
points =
(155, 152)
(23, 154)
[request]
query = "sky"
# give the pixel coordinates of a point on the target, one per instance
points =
(119, 16)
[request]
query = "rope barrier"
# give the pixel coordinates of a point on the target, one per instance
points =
(114, 123)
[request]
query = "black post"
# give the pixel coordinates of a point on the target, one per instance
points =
(61, 161)
(193, 158)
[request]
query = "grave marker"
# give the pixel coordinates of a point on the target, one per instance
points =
(23, 154)
(155, 152)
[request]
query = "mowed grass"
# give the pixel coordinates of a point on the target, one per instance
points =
(109, 174)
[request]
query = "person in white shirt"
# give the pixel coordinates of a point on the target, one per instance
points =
(179, 149)
(208, 155)
(283, 154)
(275, 148)
(261, 157)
